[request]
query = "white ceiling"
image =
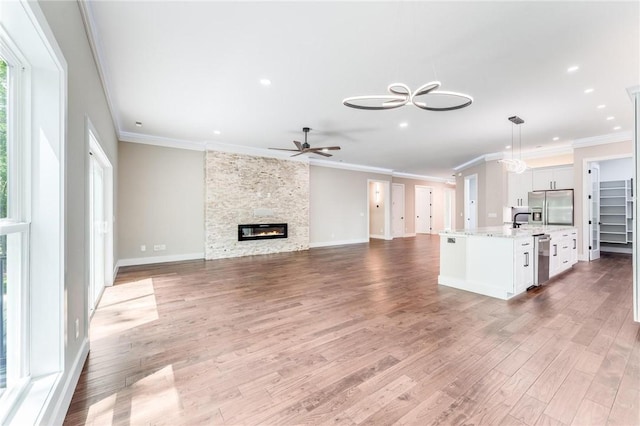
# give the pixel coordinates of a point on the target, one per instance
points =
(185, 69)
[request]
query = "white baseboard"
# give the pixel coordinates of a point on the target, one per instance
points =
(158, 259)
(61, 406)
(338, 243)
(377, 236)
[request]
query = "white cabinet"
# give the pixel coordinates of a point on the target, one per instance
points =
(519, 186)
(552, 178)
(563, 251)
(524, 264)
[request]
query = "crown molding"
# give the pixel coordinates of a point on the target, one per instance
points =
(161, 141)
(420, 177)
(602, 139)
(349, 166)
(98, 57)
(479, 160)
(255, 152)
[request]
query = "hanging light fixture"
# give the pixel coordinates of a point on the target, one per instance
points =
(515, 165)
(400, 95)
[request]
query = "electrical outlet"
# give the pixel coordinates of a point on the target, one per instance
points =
(143, 248)
(159, 247)
(77, 328)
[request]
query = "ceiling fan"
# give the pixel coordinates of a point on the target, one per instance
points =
(305, 148)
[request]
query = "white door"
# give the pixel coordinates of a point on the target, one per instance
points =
(397, 210)
(449, 209)
(471, 202)
(423, 209)
(594, 211)
(97, 232)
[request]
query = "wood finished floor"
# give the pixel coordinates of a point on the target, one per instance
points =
(358, 334)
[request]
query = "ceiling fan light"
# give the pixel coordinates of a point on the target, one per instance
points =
(401, 95)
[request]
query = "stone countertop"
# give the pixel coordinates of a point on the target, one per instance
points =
(507, 231)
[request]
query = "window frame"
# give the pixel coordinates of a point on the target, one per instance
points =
(16, 225)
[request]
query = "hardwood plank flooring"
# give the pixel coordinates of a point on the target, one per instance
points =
(358, 334)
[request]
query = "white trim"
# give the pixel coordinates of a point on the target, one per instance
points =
(409, 234)
(421, 177)
(159, 259)
(161, 141)
(60, 408)
(602, 139)
(338, 243)
(377, 237)
(349, 166)
(538, 153)
(474, 162)
(256, 152)
(98, 58)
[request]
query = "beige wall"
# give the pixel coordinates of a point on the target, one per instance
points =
(558, 160)
(338, 205)
(85, 98)
(437, 201)
(160, 201)
(581, 156)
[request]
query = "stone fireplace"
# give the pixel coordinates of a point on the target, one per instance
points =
(245, 190)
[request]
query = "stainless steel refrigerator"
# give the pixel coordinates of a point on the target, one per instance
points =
(551, 207)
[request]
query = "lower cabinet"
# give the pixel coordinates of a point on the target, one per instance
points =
(564, 251)
(524, 264)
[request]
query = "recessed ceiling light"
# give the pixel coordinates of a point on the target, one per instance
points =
(617, 128)
(611, 117)
(507, 147)
(403, 124)
(601, 106)
(573, 68)
(589, 90)
(216, 132)
(555, 138)
(265, 82)
(138, 123)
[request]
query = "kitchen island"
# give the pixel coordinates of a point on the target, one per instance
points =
(502, 262)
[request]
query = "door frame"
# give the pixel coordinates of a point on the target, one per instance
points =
(94, 149)
(404, 213)
(593, 254)
(586, 191)
(451, 193)
(415, 208)
(386, 185)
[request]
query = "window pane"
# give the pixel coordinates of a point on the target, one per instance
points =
(3, 138)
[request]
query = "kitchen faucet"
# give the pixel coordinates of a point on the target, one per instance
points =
(515, 216)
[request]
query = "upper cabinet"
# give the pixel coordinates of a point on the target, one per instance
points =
(552, 178)
(519, 186)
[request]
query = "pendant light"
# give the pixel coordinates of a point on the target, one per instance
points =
(515, 165)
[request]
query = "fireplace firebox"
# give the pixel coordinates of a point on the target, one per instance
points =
(262, 231)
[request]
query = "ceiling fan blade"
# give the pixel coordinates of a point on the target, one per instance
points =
(300, 153)
(285, 149)
(324, 154)
(298, 144)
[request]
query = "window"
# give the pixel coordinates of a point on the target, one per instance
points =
(13, 233)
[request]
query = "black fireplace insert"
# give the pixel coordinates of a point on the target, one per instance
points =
(262, 231)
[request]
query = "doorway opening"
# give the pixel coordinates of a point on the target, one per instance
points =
(609, 224)
(449, 208)
(101, 272)
(379, 217)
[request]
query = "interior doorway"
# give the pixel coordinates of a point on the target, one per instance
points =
(379, 212)
(423, 207)
(594, 211)
(397, 210)
(471, 201)
(100, 220)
